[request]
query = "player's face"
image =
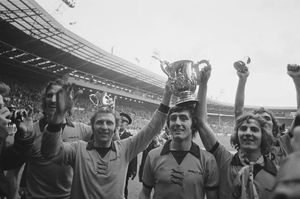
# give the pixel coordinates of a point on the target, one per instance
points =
(51, 99)
(269, 123)
(250, 135)
(104, 129)
(180, 125)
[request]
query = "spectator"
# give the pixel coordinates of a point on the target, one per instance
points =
(124, 133)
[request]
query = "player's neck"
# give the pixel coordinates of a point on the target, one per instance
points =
(252, 156)
(48, 120)
(182, 145)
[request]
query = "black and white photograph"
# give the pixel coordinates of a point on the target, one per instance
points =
(152, 99)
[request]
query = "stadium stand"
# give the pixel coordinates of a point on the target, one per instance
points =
(35, 48)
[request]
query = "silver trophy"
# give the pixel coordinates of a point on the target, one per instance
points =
(183, 75)
(102, 100)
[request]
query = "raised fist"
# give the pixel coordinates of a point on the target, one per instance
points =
(293, 70)
(241, 69)
(204, 74)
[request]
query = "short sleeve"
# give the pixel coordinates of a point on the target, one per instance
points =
(69, 152)
(212, 174)
(222, 155)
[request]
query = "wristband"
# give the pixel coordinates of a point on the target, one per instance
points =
(163, 108)
(214, 148)
(54, 127)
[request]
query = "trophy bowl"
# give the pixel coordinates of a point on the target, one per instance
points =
(183, 76)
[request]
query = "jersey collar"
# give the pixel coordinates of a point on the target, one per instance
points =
(194, 150)
(268, 165)
(90, 146)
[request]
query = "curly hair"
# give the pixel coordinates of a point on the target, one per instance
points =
(275, 130)
(190, 107)
(266, 140)
(105, 110)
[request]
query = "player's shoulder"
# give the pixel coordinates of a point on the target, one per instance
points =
(156, 152)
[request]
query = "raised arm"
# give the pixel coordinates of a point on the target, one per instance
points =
(141, 140)
(52, 145)
(294, 72)
(206, 133)
(243, 73)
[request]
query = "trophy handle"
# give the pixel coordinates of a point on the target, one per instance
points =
(93, 99)
(162, 63)
(166, 69)
(204, 61)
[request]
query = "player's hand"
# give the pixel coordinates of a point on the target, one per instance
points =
(204, 74)
(64, 102)
(293, 70)
(241, 69)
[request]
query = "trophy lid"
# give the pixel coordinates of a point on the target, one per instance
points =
(182, 61)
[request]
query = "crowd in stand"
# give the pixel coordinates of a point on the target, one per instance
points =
(24, 94)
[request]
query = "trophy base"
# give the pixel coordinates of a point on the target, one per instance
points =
(186, 96)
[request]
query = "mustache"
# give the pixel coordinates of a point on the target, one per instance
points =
(177, 127)
(248, 138)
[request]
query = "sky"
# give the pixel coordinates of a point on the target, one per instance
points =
(268, 31)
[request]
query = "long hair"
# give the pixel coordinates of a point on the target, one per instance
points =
(266, 139)
(185, 107)
(275, 129)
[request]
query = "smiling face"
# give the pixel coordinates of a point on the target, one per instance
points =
(104, 127)
(250, 136)
(180, 125)
(50, 100)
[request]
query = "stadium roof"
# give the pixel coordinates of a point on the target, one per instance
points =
(32, 19)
